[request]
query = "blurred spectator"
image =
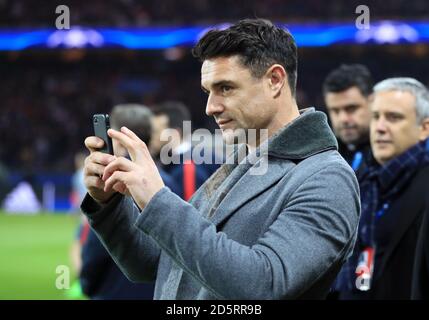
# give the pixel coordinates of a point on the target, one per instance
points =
(76, 197)
(394, 194)
(186, 173)
(78, 186)
(347, 91)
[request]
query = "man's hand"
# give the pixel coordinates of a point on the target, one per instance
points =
(93, 170)
(138, 177)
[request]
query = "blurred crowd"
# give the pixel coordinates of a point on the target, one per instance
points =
(47, 106)
(48, 99)
(130, 13)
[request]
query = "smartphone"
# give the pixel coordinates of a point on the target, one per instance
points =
(101, 125)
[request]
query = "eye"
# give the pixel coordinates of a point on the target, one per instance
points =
(352, 108)
(225, 89)
(394, 117)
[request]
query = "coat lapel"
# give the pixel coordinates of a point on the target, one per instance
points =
(409, 207)
(248, 187)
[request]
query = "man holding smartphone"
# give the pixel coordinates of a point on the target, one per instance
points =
(280, 235)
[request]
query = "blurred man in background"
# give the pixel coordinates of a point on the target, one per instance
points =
(78, 186)
(76, 196)
(188, 175)
(394, 193)
(100, 276)
(347, 91)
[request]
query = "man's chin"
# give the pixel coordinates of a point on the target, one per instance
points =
(350, 140)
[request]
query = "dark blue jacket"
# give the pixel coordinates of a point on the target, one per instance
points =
(202, 172)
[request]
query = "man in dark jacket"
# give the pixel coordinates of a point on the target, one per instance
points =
(347, 91)
(188, 175)
(394, 194)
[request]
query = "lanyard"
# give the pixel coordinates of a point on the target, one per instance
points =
(357, 160)
(382, 210)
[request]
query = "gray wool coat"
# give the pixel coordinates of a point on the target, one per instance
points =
(280, 235)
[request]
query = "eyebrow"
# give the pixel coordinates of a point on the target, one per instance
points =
(351, 105)
(219, 83)
(394, 113)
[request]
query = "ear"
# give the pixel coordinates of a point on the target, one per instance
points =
(277, 77)
(424, 131)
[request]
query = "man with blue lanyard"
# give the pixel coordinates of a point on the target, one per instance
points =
(347, 91)
(394, 196)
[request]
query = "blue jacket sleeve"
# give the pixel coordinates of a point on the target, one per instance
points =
(95, 260)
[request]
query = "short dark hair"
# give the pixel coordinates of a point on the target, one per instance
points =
(257, 42)
(136, 117)
(347, 76)
(176, 111)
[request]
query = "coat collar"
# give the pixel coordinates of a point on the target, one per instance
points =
(307, 135)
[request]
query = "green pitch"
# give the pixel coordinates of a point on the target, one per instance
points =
(31, 249)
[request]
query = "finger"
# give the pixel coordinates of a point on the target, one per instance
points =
(134, 145)
(101, 158)
(120, 187)
(134, 137)
(93, 182)
(123, 139)
(93, 169)
(116, 177)
(130, 134)
(120, 164)
(94, 143)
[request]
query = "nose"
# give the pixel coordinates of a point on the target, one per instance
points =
(343, 117)
(380, 125)
(214, 105)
